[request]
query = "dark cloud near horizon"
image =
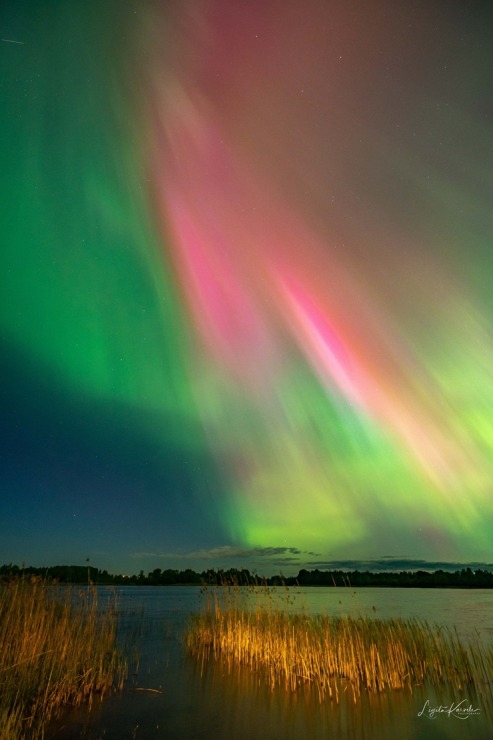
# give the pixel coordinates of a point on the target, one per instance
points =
(387, 562)
(276, 551)
(228, 551)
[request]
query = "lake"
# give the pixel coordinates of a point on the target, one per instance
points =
(171, 695)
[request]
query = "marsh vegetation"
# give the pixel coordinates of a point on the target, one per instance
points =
(334, 654)
(57, 648)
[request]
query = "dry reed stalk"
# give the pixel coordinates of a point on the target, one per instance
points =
(56, 648)
(334, 653)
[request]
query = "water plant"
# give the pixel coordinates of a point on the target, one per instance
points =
(244, 626)
(57, 647)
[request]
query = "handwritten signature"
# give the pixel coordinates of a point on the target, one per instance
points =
(459, 711)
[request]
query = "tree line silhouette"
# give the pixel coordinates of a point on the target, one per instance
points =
(84, 574)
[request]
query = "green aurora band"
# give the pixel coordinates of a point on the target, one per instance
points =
(276, 276)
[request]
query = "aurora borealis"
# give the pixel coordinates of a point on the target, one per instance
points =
(246, 296)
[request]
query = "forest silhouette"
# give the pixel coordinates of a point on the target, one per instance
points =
(87, 574)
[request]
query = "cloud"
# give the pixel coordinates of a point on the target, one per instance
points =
(394, 563)
(227, 556)
(275, 554)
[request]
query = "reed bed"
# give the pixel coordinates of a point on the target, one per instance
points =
(334, 654)
(57, 648)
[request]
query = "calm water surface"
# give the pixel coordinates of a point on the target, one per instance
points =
(203, 702)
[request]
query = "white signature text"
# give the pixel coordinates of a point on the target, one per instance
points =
(462, 710)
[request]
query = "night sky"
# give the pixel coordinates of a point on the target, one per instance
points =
(246, 283)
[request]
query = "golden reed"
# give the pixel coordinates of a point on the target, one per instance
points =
(332, 654)
(57, 647)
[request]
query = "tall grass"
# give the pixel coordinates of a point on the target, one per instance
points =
(57, 647)
(334, 654)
